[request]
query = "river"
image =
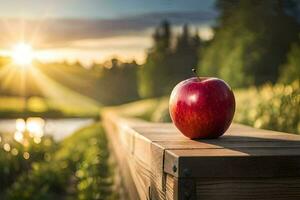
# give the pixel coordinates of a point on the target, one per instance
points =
(58, 128)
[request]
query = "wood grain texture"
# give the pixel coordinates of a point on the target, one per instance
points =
(112, 133)
(258, 188)
(233, 166)
(171, 187)
(141, 161)
(160, 163)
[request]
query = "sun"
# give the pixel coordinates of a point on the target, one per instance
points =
(22, 54)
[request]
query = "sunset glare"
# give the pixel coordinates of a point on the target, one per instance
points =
(22, 54)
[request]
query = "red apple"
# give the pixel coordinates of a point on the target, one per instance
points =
(202, 107)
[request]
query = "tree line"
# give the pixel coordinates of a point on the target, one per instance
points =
(254, 42)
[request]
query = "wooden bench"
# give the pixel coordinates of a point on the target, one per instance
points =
(157, 162)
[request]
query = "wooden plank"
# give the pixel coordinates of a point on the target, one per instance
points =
(134, 172)
(244, 130)
(158, 179)
(233, 188)
(241, 162)
(171, 187)
(153, 156)
(252, 141)
(266, 188)
(120, 131)
(129, 183)
(159, 135)
(145, 160)
(212, 144)
(246, 152)
(239, 140)
(170, 138)
(240, 133)
(142, 149)
(140, 176)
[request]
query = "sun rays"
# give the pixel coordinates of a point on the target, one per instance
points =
(14, 80)
(23, 77)
(22, 54)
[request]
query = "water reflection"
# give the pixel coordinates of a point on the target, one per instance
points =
(19, 136)
(35, 130)
(57, 128)
(33, 127)
(20, 125)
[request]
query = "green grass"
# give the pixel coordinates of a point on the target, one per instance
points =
(141, 109)
(15, 107)
(48, 97)
(12, 161)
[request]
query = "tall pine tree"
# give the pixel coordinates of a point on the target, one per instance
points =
(153, 75)
(167, 64)
(185, 55)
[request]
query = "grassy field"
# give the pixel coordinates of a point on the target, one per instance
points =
(12, 107)
(46, 96)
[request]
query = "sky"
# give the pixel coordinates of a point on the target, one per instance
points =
(93, 30)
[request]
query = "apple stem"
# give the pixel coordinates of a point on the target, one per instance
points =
(195, 72)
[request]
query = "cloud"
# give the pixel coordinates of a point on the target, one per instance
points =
(47, 33)
(88, 40)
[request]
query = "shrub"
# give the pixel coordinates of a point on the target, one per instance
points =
(13, 162)
(73, 170)
(95, 177)
(291, 70)
(270, 107)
